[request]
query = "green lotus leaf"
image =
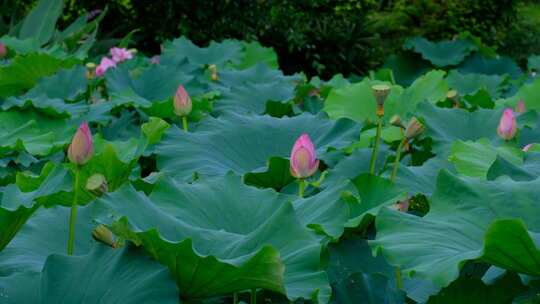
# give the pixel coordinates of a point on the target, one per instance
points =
(467, 84)
(276, 176)
(441, 125)
(496, 66)
(529, 170)
(32, 132)
(528, 93)
(468, 219)
(533, 63)
(357, 163)
(255, 53)
(257, 74)
(474, 158)
(407, 67)
(358, 103)
(442, 53)
(216, 53)
(481, 98)
(25, 70)
(223, 237)
(118, 275)
(51, 92)
(243, 143)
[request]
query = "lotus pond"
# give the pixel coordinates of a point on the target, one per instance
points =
(206, 175)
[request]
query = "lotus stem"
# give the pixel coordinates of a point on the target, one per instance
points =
(73, 215)
(376, 147)
(253, 296)
(235, 297)
(398, 156)
(184, 123)
(301, 186)
(399, 282)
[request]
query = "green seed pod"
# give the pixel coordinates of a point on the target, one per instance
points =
(97, 184)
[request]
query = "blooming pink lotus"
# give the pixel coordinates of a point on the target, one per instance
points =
(507, 125)
(3, 50)
(104, 65)
(526, 148)
(120, 54)
(81, 149)
(182, 102)
(304, 160)
(520, 106)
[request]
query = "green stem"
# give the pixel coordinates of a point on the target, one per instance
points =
(301, 186)
(184, 123)
(235, 297)
(71, 239)
(399, 282)
(376, 147)
(253, 296)
(398, 156)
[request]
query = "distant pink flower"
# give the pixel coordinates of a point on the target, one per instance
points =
(507, 125)
(303, 160)
(155, 60)
(104, 65)
(404, 205)
(81, 149)
(520, 106)
(3, 50)
(526, 148)
(120, 54)
(182, 102)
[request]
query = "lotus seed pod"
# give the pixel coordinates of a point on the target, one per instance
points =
(381, 92)
(81, 149)
(90, 70)
(396, 121)
(104, 235)
(97, 184)
(304, 160)
(182, 102)
(414, 128)
(213, 69)
(507, 125)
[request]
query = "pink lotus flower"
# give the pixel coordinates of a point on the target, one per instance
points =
(304, 160)
(507, 125)
(120, 54)
(81, 149)
(3, 50)
(526, 148)
(182, 102)
(520, 106)
(104, 65)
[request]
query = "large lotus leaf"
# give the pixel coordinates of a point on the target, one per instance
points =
(276, 176)
(357, 102)
(24, 72)
(219, 235)
(45, 233)
(406, 68)
(529, 170)
(121, 275)
(528, 93)
(243, 143)
(257, 74)
(41, 21)
(445, 126)
(420, 179)
(156, 83)
(51, 92)
(442, 53)
(358, 277)
(496, 66)
(29, 131)
(255, 53)
(216, 53)
(468, 219)
(533, 63)
(21, 46)
(357, 163)
(473, 290)
(467, 84)
(252, 97)
(474, 158)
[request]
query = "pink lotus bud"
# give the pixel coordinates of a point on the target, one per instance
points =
(182, 102)
(526, 148)
(520, 106)
(507, 125)
(304, 160)
(81, 149)
(155, 60)
(120, 54)
(104, 65)
(3, 50)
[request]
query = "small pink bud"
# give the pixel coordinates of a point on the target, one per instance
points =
(304, 160)
(155, 60)
(526, 148)
(3, 50)
(507, 125)
(120, 54)
(182, 102)
(520, 106)
(81, 149)
(104, 65)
